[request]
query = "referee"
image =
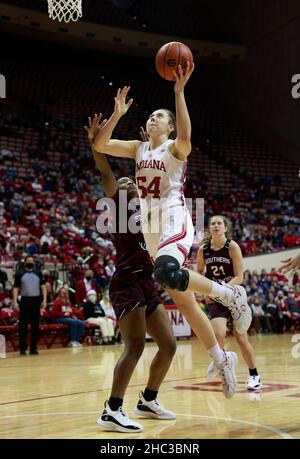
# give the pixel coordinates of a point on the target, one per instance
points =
(33, 297)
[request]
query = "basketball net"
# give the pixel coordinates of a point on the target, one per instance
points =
(65, 10)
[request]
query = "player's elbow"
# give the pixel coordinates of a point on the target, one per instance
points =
(184, 140)
(184, 146)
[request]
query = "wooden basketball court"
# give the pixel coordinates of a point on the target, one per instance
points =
(61, 392)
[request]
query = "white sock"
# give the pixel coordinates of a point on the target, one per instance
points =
(220, 291)
(217, 354)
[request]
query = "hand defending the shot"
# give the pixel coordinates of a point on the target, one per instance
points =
(290, 265)
(121, 106)
(94, 126)
(182, 77)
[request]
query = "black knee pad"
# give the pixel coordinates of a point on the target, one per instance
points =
(168, 273)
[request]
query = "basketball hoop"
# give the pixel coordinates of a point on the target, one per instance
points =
(65, 10)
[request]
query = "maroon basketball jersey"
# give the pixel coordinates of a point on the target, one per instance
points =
(219, 266)
(132, 254)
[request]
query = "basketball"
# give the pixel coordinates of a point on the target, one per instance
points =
(169, 56)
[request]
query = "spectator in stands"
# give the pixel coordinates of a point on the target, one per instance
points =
(36, 186)
(47, 238)
(110, 269)
(77, 271)
(64, 313)
(49, 287)
(272, 311)
(106, 305)
(284, 315)
(31, 285)
(3, 277)
(83, 286)
(260, 318)
(293, 307)
(32, 247)
(100, 273)
(94, 314)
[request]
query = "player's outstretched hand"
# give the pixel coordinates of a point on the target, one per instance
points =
(94, 126)
(182, 76)
(290, 265)
(121, 106)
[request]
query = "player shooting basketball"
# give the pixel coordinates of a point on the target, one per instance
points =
(160, 174)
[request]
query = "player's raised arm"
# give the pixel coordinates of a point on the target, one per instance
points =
(108, 179)
(103, 142)
(182, 145)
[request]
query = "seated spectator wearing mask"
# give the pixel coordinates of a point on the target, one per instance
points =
(83, 286)
(94, 314)
(64, 313)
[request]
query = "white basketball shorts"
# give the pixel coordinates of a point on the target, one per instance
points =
(169, 232)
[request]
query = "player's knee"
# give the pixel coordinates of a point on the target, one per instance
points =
(135, 347)
(168, 273)
(241, 339)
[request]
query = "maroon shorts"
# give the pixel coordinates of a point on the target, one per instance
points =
(128, 291)
(217, 310)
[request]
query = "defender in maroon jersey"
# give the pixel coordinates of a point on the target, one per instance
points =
(137, 306)
(221, 259)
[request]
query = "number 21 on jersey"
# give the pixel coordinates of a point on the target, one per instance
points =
(218, 270)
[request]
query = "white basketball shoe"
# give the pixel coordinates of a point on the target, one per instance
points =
(227, 373)
(117, 421)
(254, 383)
(152, 409)
(238, 307)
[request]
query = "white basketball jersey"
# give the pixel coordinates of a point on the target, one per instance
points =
(160, 177)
